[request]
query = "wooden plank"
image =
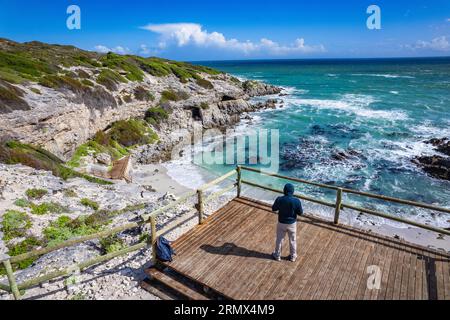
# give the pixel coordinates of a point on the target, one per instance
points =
(332, 259)
(176, 285)
(277, 289)
(312, 286)
(346, 264)
(278, 271)
(305, 269)
(357, 270)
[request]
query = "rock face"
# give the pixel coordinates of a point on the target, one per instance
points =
(436, 166)
(442, 145)
(62, 110)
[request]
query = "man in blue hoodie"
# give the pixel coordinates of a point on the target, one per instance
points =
(288, 208)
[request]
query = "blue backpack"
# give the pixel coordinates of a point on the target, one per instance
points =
(164, 251)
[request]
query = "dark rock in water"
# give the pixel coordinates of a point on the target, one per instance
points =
(337, 130)
(346, 155)
(435, 166)
(442, 145)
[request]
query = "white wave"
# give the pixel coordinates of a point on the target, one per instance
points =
(389, 76)
(355, 104)
(427, 130)
(393, 92)
(293, 90)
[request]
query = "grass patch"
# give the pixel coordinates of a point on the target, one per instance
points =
(129, 64)
(143, 94)
(205, 84)
(110, 79)
(15, 224)
(65, 228)
(23, 203)
(129, 133)
(14, 152)
(25, 246)
(35, 90)
(170, 95)
(90, 204)
(87, 82)
(36, 193)
(155, 115)
(204, 106)
(111, 244)
(70, 193)
(47, 207)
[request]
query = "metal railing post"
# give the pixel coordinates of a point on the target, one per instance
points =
(12, 280)
(338, 205)
(200, 206)
(153, 238)
(239, 179)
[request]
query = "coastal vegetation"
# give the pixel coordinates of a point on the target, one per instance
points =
(66, 68)
(90, 204)
(15, 224)
(14, 152)
(36, 193)
(117, 141)
(155, 115)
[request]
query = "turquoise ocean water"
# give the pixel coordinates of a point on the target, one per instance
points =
(381, 111)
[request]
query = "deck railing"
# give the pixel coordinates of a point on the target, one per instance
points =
(15, 288)
(8, 261)
(338, 205)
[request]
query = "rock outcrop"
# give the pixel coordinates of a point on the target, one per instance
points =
(65, 105)
(437, 166)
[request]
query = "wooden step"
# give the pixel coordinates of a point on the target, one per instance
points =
(174, 284)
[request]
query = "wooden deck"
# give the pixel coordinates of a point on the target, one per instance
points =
(231, 255)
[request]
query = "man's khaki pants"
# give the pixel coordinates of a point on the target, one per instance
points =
(291, 230)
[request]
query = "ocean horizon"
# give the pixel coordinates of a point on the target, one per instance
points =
(381, 111)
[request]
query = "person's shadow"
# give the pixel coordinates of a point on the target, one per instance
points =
(231, 249)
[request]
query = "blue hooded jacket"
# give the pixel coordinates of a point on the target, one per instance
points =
(288, 206)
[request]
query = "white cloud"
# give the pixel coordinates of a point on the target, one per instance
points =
(146, 51)
(118, 49)
(183, 34)
(440, 44)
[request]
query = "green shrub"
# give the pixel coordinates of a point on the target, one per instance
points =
(14, 152)
(132, 132)
(170, 95)
(127, 98)
(142, 94)
(111, 244)
(64, 228)
(205, 83)
(25, 246)
(110, 79)
(87, 82)
(23, 203)
(129, 64)
(155, 115)
(35, 90)
(15, 224)
(70, 193)
(47, 207)
(36, 193)
(90, 203)
(204, 106)
(58, 82)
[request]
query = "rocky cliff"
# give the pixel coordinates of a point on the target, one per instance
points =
(59, 97)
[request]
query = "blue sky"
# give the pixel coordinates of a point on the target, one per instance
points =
(216, 30)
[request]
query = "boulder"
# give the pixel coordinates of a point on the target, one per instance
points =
(435, 166)
(103, 158)
(442, 145)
